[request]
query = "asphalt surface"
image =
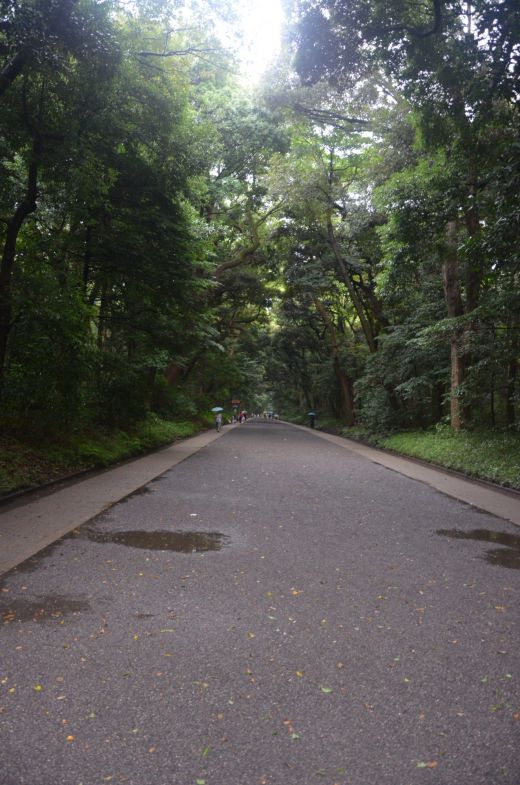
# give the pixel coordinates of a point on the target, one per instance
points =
(275, 610)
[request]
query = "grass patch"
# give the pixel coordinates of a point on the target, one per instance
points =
(27, 465)
(487, 455)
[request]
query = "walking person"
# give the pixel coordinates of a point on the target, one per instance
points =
(218, 421)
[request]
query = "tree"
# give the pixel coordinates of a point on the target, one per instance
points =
(458, 71)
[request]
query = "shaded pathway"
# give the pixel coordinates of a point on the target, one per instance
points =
(273, 610)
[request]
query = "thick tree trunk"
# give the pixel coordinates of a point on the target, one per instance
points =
(474, 273)
(14, 225)
(102, 317)
(455, 308)
(347, 396)
(12, 70)
(512, 374)
(87, 257)
(354, 296)
(511, 389)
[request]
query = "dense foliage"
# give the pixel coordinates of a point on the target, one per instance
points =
(345, 240)
(410, 217)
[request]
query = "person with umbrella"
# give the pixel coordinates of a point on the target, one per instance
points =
(218, 417)
(312, 418)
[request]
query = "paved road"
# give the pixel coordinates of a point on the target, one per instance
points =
(275, 610)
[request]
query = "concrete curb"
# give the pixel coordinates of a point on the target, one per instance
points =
(28, 526)
(501, 503)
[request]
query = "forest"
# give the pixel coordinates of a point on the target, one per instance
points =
(343, 237)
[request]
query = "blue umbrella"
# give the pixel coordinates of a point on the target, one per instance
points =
(311, 414)
(217, 409)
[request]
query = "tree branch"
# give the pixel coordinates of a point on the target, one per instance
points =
(11, 71)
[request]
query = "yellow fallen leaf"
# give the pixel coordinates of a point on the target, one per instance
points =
(70, 738)
(37, 688)
(300, 674)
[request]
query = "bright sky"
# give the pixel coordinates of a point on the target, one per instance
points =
(261, 22)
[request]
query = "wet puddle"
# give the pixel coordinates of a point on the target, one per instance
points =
(181, 542)
(506, 556)
(46, 608)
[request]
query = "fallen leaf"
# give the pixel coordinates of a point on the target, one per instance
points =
(327, 690)
(205, 751)
(70, 738)
(300, 674)
(432, 764)
(37, 688)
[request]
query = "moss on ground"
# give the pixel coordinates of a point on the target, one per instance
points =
(24, 464)
(489, 455)
(483, 454)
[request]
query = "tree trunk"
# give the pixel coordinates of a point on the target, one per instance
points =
(354, 296)
(87, 257)
(102, 317)
(512, 374)
(454, 306)
(511, 388)
(347, 397)
(14, 225)
(12, 70)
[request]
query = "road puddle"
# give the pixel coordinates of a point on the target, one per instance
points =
(506, 556)
(45, 608)
(181, 542)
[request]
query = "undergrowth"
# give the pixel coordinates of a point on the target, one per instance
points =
(26, 464)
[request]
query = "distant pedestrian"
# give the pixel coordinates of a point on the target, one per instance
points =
(218, 421)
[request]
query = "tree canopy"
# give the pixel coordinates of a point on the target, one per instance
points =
(342, 238)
